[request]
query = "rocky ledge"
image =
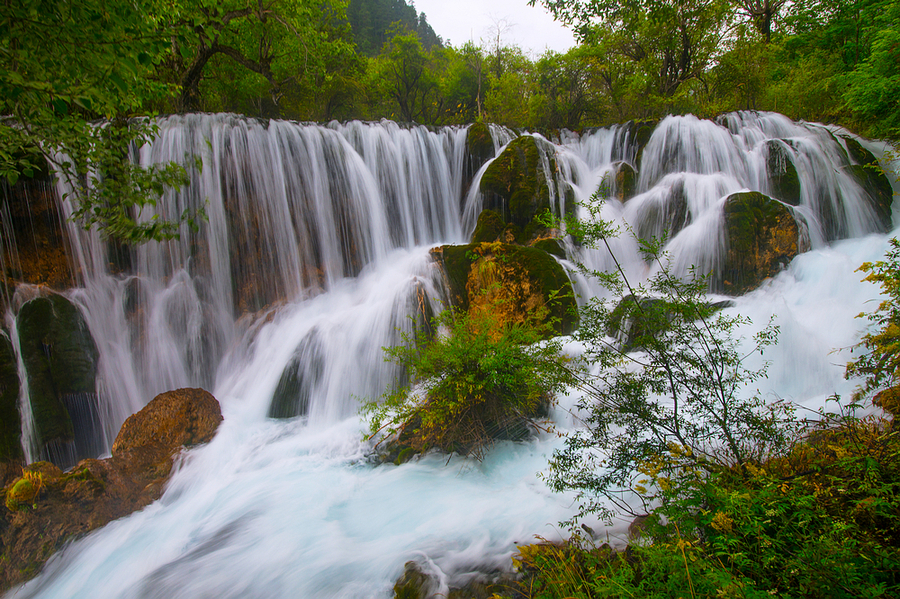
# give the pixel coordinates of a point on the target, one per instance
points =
(45, 507)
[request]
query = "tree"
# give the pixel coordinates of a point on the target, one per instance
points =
(670, 404)
(671, 41)
(65, 65)
(285, 43)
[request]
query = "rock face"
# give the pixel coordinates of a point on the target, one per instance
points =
(763, 237)
(34, 246)
(868, 173)
(523, 279)
(95, 492)
(60, 359)
(479, 149)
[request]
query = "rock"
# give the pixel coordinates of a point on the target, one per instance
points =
(35, 252)
(489, 228)
(479, 149)
(639, 133)
(621, 181)
(414, 583)
(299, 378)
(95, 492)
(10, 420)
(763, 237)
(783, 179)
(60, 359)
(515, 186)
(868, 172)
(183, 417)
(666, 217)
(524, 279)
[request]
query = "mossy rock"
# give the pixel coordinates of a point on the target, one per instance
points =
(666, 218)
(551, 245)
(640, 132)
(526, 279)
(414, 583)
(21, 494)
(782, 174)
(10, 420)
(298, 380)
(514, 184)
(621, 181)
(635, 320)
(489, 228)
(60, 359)
(479, 149)
(763, 237)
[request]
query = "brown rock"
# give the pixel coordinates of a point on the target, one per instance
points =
(95, 492)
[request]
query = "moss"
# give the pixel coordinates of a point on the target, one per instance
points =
(551, 245)
(10, 420)
(868, 172)
(763, 237)
(489, 227)
(782, 173)
(20, 495)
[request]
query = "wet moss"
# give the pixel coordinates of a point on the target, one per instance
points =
(514, 184)
(489, 227)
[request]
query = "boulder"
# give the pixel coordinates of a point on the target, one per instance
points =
(666, 217)
(489, 228)
(46, 508)
(639, 133)
(762, 238)
(783, 179)
(621, 181)
(515, 186)
(523, 279)
(60, 359)
(869, 174)
(298, 380)
(479, 149)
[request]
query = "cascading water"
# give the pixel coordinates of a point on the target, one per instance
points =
(319, 235)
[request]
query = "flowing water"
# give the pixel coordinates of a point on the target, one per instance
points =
(316, 252)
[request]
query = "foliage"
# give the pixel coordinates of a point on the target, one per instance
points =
(880, 362)
(59, 75)
(678, 410)
(373, 20)
(475, 381)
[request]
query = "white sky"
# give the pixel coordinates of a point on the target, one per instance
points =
(531, 28)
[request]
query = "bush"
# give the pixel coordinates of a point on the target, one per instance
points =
(477, 380)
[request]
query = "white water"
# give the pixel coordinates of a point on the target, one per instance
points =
(292, 508)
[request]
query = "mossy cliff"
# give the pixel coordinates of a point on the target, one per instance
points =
(520, 280)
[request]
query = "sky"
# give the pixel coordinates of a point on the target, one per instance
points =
(531, 28)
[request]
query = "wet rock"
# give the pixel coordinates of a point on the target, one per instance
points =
(868, 172)
(35, 237)
(489, 228)
(65, 506)
(783, 179)
(763, 237)
(666, 216)
(515, 186)
(60, 359)
(298, 380)
(639, 133)
(522, 279)
(479, 149)
(621, 181)
(10, 420)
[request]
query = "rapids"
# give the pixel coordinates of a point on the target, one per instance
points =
(320, 235)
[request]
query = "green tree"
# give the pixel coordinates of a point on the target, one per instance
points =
(67, 64)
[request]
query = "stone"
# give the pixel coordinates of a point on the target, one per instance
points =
(61, 361)
(96, 492)
(763, 236)
(783, 178)
(10, 419)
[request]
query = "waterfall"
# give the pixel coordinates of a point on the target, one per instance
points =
(315, 256)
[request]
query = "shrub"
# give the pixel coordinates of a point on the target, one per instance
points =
(476, 381)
